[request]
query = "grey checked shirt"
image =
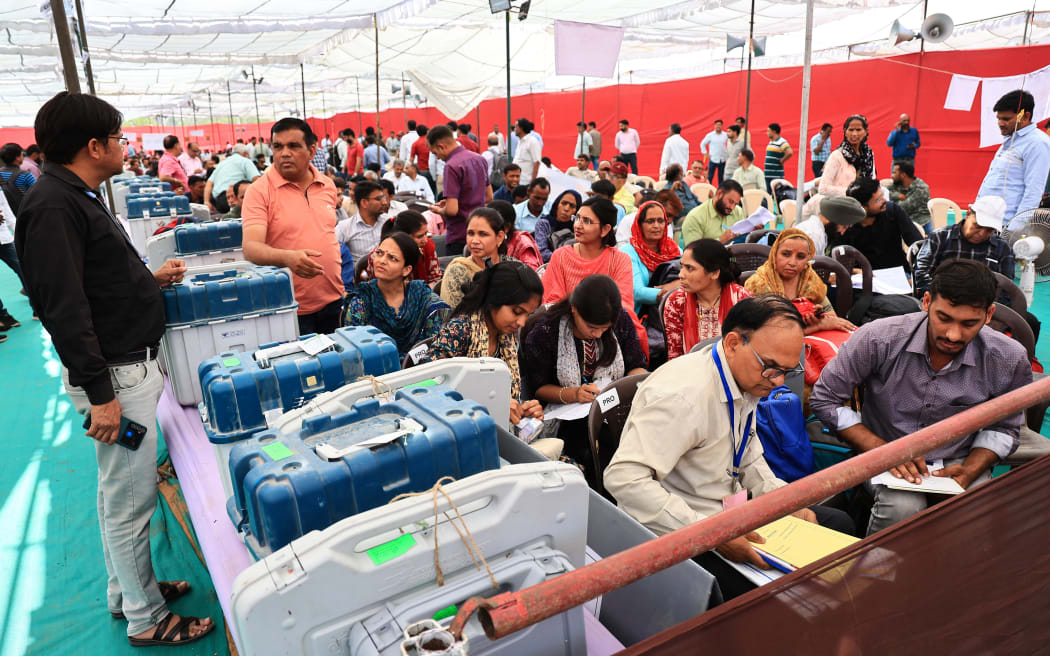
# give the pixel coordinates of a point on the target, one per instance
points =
(902, 392)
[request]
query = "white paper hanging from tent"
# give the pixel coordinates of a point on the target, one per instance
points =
(453, 101)
(961, 92)
(196, 133)
(153, 141)
(1036, 83)
(131, 136)
(586, 49)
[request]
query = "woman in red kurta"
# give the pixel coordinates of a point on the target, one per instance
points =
(594, 252)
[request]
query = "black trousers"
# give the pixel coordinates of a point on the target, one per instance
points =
(818, 168)
(324, 321)
(733, 584)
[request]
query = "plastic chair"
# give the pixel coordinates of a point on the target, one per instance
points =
(886, 182)
(825, 266)
(408, 361)
(744, 275)
(439, 243)
(645, 181)
(789, 211)
(749, 256)
(755, 235)
(615, 418)
(939, 211)
(851, 258)
(700, 345)
(753, 200)
(703, 191)
(913, 253)
(1008, 288)
(1006, 320)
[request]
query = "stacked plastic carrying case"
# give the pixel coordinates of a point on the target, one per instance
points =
(223, 308)
(529, 521)
(197, 244)
(147, 215)
(336, 466)
(243, 391)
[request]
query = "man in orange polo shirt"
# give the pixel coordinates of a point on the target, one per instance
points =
(288, 219)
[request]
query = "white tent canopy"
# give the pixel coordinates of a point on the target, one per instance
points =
(163, 57)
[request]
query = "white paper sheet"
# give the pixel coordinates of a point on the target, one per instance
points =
(886, 281)
(758, 219)
(961, 92)
(932, 484)
(566, 411)
(993, 88)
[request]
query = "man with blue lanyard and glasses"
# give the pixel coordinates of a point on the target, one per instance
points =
(686, 452)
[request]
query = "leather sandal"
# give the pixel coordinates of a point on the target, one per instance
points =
(170, 590)
(179, 634)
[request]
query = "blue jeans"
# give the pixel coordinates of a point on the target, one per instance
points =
(928, 228)
(713, 166)
(594, 161)
(10, 257)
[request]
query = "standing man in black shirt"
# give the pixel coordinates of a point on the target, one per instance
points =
(105, 314)
(878, 236)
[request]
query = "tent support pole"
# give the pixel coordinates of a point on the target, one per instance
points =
(404, 99)
(360, 127)
(211, 116)
(69, 67)
(255, 95)
(302, 87)
(583, 103)
(510, 125)
(803, 139)
(182, 123)
(375, 21)
(747, 99)
(324, 114)
(229, 102)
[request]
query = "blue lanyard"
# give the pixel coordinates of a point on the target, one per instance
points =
(738, 453)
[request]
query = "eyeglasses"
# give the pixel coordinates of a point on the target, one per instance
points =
(769, 372)
(123, 140)
(587, 222)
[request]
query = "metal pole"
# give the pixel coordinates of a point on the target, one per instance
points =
(65, 46)
(255, 95)
(804, 120)
(182, 123)
(375, 21)
(324, 114)
(229, 102)
(747, 98)
(510, 124)
(404, 98)
(1028, 16)
(86, 54)
(302, 86)
(211, 117)
(360, 124)
(506, 613)
(583, 103)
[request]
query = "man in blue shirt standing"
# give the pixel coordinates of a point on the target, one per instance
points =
(904, 140)
(1019, 170)
(820, 148)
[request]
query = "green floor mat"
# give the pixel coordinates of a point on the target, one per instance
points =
(52, 578)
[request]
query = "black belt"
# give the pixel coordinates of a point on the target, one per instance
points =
(134, 357)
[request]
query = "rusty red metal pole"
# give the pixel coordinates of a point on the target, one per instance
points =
(506, 613)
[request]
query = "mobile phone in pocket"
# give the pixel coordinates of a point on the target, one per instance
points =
(130, 435)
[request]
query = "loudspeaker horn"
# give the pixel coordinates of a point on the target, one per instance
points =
(758, 46)
(937, 28)
(734, 42)
(899, 34)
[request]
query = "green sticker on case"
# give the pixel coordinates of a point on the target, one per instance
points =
(448, 611)
(230, 362)
(277, 451)
(423, 383)
(388, 551)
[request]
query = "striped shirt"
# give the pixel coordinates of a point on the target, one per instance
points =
(23, 181)
(948, 243)
(775, 158)
(358, 236)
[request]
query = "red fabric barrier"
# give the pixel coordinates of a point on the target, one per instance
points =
(881, 89)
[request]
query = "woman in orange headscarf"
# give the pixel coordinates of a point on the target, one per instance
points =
(787, 273)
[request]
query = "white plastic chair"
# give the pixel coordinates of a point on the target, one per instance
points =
(939, 211)
(788, 210)
(703, 191)
(753, 200)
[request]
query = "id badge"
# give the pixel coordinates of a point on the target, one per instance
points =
(733, 500)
